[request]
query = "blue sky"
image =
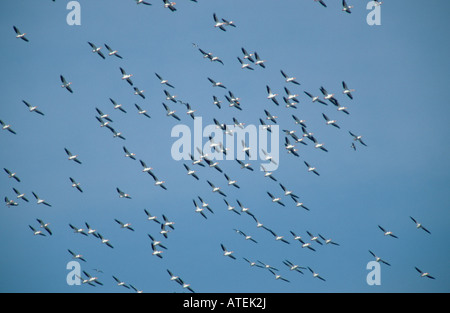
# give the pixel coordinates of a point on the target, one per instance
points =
(399, 70)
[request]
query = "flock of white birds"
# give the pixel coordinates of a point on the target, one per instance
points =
(248, 61)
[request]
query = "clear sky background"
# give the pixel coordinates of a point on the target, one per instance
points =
(399, 70)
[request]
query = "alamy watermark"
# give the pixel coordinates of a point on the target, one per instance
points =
(229, 142)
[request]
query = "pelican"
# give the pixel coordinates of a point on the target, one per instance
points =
(272, 95)
(20, 34)
(318, 145)
(96, 49)
(277, 276)
(424, 274)
(91, 231)
(418, 225)
(233, 103)
(330, 122)
(10, 203)
(227, 253)
(306, 245)
(7, 127)
(231, 182)
(288, 192)
(289, 79)
(267, 266)
(314, 238)
(247, 55)
(164, 81)
(112, 52)
(126, 76)
(267, 173)
(270, 117)
(105, 241)
(92, 279)
(290, 147)
(122, 194)
(184, 285)
(170, 97)
(77, 230)
(378, 259)
(291, 96)
(253, 263)
(216, 189)
(20, 195)
(357, 138)
(120, 283)
(101, 121)
(199, 209)
(103, 116)
(347, 91)
(217, 102)
(167, 222)
(281, 238)
(245, 65)
(315, 275)
(213, 164)
(205, 205)
(117, 106)
(258, 61)
(219, 24)
(277, 238)
(196, 162)
(172, 276)
(243, 209)
(36, 232)
(387, 233)
(216, 84)
(268, 157)
(151, 217)
(164, 231)
(299, 204)
(231, 208)
(66, 84)
(72, 157)
(265, 126)
(315, 98)
(258, 223)
(343, 109)
(328, 241)
(293, 267)
(247, 237)
(40, 201)
(12, 175)
(328, 96)
(33, 108)
(115, 133)
(170, 5)
(190, 172)
(139, 92)
(170, 112)
(129, 154)
(76, 256)
(141, 111)
(290, 103)
(124, 225)
(346, 8)
(210, 56)
(190, 111)
(311, 168)
(245, 165)
(75, 184)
